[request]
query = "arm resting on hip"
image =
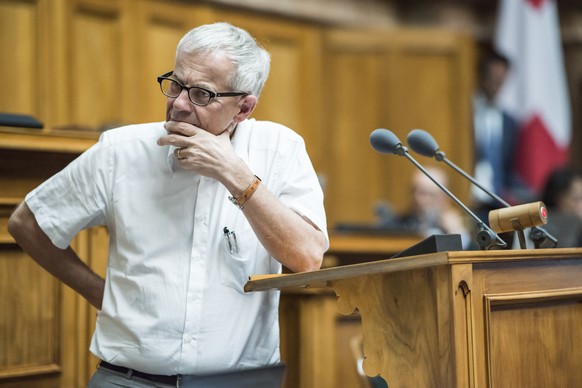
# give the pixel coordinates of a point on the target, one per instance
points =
(65, 264)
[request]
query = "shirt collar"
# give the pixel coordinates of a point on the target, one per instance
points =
(171, 159)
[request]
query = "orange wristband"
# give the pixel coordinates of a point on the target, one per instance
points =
(242, 200)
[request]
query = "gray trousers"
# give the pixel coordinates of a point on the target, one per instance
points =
(105, 378)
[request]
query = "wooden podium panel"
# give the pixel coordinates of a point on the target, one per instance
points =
(462, 319)
(527, 333)
(529, 315)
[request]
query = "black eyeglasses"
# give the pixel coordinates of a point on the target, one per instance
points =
(198, 96)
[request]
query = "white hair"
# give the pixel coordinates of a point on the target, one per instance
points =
(251, 61)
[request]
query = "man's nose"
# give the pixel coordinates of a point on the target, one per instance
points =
(182, 102)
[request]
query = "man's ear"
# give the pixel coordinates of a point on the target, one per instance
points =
(246, 106)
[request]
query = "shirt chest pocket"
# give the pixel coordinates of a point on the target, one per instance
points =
(238, 257)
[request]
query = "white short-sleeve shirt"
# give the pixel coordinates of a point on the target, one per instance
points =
(174, 300)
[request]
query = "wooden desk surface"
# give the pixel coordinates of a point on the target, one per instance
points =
(47, 140)
(325, 275)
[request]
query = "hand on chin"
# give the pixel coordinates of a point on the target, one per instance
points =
(181, 127)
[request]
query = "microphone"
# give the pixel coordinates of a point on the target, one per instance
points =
(386, 142)
(423, 143)
(518, 217)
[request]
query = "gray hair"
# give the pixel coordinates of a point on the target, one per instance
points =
(251, 60)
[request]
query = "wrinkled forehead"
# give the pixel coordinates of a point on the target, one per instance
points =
(211, 66)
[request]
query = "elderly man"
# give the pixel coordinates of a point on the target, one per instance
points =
(193, 206)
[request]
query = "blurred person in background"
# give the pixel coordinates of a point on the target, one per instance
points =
(432, 210)
(495, 136)
(562, 195)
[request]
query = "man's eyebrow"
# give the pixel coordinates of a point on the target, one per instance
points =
(202, 84)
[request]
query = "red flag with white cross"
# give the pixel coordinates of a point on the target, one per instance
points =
(536, 90)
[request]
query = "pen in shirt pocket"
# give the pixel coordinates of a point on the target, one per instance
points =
(230, 240)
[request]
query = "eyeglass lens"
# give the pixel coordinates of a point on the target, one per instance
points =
(173, 89)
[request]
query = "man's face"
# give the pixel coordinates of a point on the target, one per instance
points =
(571, 201)
(209, 71)
(427, 197)
(495, 74)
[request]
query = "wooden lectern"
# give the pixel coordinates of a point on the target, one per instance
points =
(510, 318)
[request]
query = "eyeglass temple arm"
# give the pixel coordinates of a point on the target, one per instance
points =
(169, 73)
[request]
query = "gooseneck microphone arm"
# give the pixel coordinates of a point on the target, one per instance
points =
(443, 188)
(423, 143)
(384, 141)
(440, 156)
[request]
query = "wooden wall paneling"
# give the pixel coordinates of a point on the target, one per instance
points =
(31, 347)
(289, 312)
(72, 345)
(57, 94)
(309, 338)
(130, 60)
(433, 88)
(29, 332)
(312, 96)
(462, 151)
(19, 26)
(67, 320)
(99, 88)
(162, 25)
(23, 42)
(294, 94)
(348, 336)
(400, 80)
(32, 329)
(46, 340)
(78, 316)
(356, 103)
(317, 362)
(15, 181)
(418, 81)
(26, 160)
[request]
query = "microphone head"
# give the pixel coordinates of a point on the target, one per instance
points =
(422, 143)
(385, 141)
